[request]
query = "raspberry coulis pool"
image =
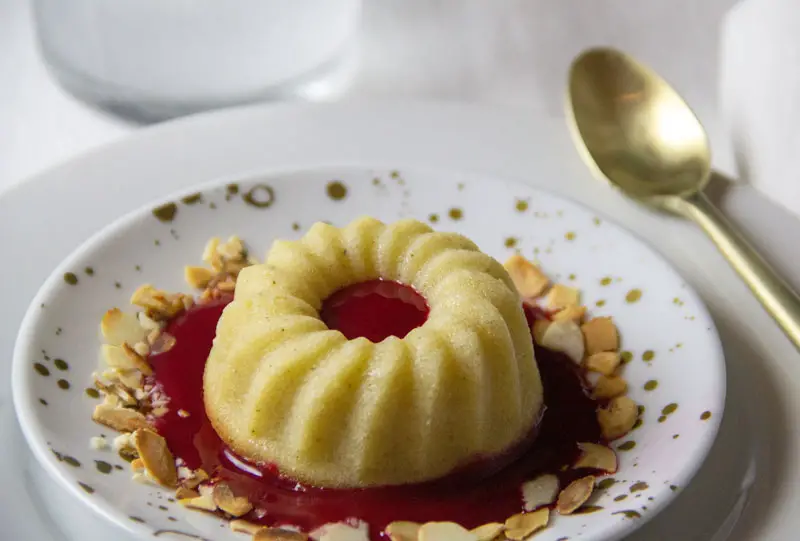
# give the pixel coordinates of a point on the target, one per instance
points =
(488, 490)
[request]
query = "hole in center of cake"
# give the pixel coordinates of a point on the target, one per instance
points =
(375, 310)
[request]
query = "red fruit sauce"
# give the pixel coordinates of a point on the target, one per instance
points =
(487, 491)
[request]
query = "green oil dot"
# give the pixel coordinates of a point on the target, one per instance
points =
(63, 384)
(626, 357)
(455, 213)
(41, 369)
(70, 278)
(510, 242)
(669, 409)
(521, 205)
(706, 415)
(61, 364)
(336, 190)
(166, 213)
(627, 446)
(570, 235)
(633, 296)
(91, 392)
(648, 355)
(605, 484)
(605, 281)
(89, 271)
(433, 218)
(651, 385)
(103, 466)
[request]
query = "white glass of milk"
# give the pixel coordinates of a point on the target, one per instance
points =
(156, 59)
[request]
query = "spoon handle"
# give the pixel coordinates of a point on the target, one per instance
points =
(777, 297)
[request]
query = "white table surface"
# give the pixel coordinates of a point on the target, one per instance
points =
(505, 52)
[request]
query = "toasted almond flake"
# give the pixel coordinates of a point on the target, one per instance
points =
(604, 362)
(575, 495)
(609, 387)
(242, 526)
(539, 328)
(152, 336)
(148, 297)
(137, 465)
(597, 457)
(210, 250)
(197, 277)
(123, 441)
(225, 499)
(570, 313)
(601, 335)
(564, 336)
(522, 525)
(618, 417)
(159, 411)
(185, 493)
(232, 250)
(163, 343)
(341, 532)
(97, 443)
(488, 532)
(195, 478)
(529, 279)
(560, 297)
(147, 323)
(142, 349)
(132, 379)
(158, 460)
(543, 490)
(402, 530)
(279, 534)
(445, 531)
(183, 414)
(120, 327)
(205, 502)
(227, 285)
(137, 361)
(120, 419)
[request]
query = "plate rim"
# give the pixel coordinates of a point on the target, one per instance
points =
(37, 443)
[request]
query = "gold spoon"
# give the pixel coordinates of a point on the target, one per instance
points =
(638, 133)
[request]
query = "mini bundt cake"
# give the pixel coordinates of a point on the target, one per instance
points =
(282, 388)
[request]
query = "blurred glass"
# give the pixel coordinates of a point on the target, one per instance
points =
(155, 59)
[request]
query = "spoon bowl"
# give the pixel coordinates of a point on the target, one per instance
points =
(636, 131)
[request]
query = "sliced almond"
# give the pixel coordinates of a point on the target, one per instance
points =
(601, 335)
(232, 250)
(163, 343)
(120, 327)
(609, 387)
(132, 379)
(197, 277)
(401, 530)
(197, 476)
(183, 493)
(120, 419)
(618, 417)
(142, 348)
(540, 491)
(157, 458)
(341, 532)
(137, 466)
(210, 250)
(539, 328)
(561, 296)
(570, 313)
(148, 297)
(226, 500)
(279, 534)
(204, 502)
(137, 361)
(445, 531)
(575, 495)
(147, 323)
(488, 532)
(243, 526)
(604, 362)
(566, 337)
(522, 525)
(529, 280)
(597, 457)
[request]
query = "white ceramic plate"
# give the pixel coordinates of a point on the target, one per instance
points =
(666, 328)
(745, 490)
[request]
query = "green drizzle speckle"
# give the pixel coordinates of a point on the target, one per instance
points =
(140, 520)
(103, 467)
(605, 281)
(86, 488)
(587, 509)
(336, 190)
(376, 181)
(627, 446)
(633, 296)
(673, 488)
(605, 484)
(117, 285)
(637, 424)
(166, 213)
(260, 196)
(232, 188)
(651, 385)
(433, 218)
(626, 357)
(91, 392)
(70, 278)
(395, 174)
(669, 408)
(63, 384)
(455, 213)
(191, 199)
(648, 355)
(676, 436)
(41, 369)
(637, 487)
(72, 461)
(295, 226)
(706, 415)
(629, 513)
(570, 235)
(620, 497)
(521, 205)
(43, 402)
(61, 364)
(89, 271)
(510, 242)
(662, 418)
